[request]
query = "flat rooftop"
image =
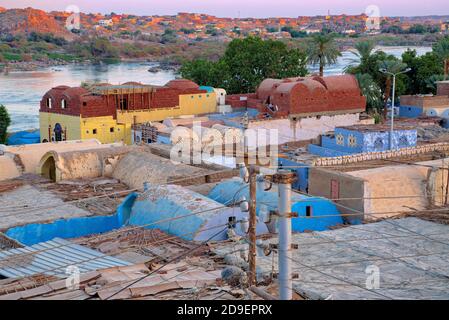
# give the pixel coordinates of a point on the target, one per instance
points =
(411, 255)
(33, 199)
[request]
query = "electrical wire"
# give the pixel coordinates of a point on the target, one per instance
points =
(167, 263)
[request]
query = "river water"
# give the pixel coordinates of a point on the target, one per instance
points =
(21, 92)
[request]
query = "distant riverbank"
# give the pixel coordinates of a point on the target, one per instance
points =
(54, 64)
(21, 91)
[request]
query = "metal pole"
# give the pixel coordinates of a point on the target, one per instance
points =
(252, 227)
(392, 112)
(284, 179)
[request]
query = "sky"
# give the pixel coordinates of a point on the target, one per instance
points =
(241, 8)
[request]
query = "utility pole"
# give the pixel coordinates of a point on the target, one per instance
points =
(252, 226)
(385, 71)
(284, 179)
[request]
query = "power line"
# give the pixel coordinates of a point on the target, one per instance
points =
(168, 262)
(387, 221)
(19, 212)
(340, 279)
(128, 229)
(105, 255)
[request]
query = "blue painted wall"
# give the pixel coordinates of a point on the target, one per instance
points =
(225, 192)
(145, 212)
(207, 88)
(73, 228)
(163, 139)
(325, 152)
(23, 137)
(302, 173)
(410, 111)
(347, 141)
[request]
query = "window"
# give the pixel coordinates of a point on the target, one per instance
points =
(63, 104)
(87, 131)
(84, 103)
(308, 211)
(49, 103)
(94, 131)
(352, 141)
(123, 104)
(111, 130)
(339, 139)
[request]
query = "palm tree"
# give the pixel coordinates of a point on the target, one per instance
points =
(370, 90)
(441, 50)
(323, 51)
(391, 66)
(431, 83)
(362, 52)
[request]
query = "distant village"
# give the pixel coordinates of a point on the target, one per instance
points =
(274, 183)
(194, 26)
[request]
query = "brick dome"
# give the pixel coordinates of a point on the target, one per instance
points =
(182, 84)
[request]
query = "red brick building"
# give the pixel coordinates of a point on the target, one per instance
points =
(306, 96)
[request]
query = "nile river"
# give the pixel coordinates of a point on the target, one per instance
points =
(21, 92)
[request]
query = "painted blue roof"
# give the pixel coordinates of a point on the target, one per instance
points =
(232, 190)
(207, 88)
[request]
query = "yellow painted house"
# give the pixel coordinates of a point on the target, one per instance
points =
(108, 112)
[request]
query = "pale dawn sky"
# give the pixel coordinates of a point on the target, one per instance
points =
(242, 8)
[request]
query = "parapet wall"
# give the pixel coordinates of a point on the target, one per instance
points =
(341, 160)
(30, 155)
(83, 164)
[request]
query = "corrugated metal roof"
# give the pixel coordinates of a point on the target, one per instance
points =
(52, 258)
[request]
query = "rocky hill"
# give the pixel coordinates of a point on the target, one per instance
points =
(24, 21)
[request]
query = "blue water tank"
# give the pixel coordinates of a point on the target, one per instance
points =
(314, 213)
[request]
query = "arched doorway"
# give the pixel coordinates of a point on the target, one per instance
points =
(48, 169)
(58, 132)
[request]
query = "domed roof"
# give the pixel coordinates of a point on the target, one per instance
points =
(340, 83)
(61, 87)
(75, 92)
(182, 84)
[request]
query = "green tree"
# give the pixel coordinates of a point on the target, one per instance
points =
(102, 49)
(205, 72)
(5, 121)
(441, 49)
(431, 82)
(422, 68)
(323, 51)
(363, 51)
(371, 91)
(393, 66)
(245, 63)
